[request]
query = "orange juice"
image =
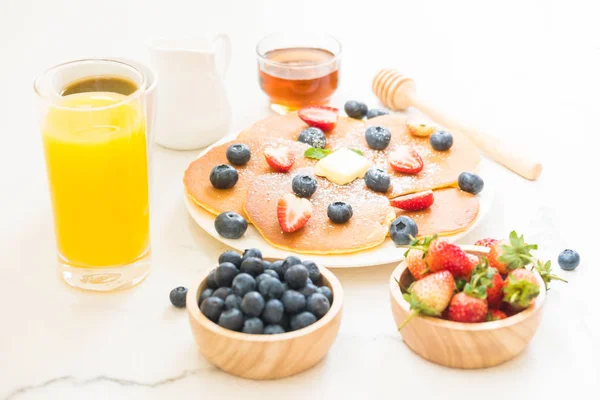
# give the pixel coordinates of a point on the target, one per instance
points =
(95, 146)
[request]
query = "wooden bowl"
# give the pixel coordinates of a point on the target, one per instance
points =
(461, 345)
(265, 356)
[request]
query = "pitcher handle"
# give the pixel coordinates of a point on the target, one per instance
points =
(223, 43)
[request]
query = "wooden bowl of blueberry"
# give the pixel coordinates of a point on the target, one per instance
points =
(265, 320)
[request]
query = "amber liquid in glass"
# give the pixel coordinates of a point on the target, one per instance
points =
(299, 77)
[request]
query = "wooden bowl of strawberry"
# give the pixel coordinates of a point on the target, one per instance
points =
(469, 306)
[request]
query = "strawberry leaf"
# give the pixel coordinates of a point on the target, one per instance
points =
(357, 151)
(545, 271)
(520, 292)
(518, 253)
(481, 279)
(316, 154)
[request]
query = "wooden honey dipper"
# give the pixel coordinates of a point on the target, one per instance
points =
(398, 92)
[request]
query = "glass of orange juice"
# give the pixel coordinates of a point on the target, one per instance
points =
(93, 127)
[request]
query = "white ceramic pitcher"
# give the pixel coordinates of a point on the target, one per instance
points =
(192, 106)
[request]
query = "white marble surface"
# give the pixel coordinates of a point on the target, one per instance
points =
(526, 70)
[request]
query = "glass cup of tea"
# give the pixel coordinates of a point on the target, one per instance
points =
(298, 69)
(93, 128)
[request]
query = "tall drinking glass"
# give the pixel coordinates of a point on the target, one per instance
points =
(93, 125)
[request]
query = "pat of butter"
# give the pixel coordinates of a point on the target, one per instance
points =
(342, 166)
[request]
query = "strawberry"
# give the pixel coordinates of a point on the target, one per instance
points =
(442, 255)
(545, 271)
(405, 159)
(465, 308)
(414, 202)
(487, 242)
(473, 258)
(520, 289)
(293, 212)
(322, 117)
(494, 291)
(430, 295)
(495, 315)
(416, 264)
(280, 158)
(508, 255)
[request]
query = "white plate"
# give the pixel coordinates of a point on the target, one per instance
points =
(385, 253)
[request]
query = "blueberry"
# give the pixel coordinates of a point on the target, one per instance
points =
(232, 319)
(223, 176)
(288, 262)
(260, 278)
(376, 112)
(222, 293)
(318, 304)
(238, 154)
(277, 266)
(402, 228)
(313, 271)
(273, 312)
(252, 253)
(211, 282)
(339, 212)
(308, 290)
(272, 273)
(242, 284)
(304, 185)
(308, 281)
(302, 320)
(441, 140)
(293, 301)
(286, 287)
(253, 266)
(355, 109)
(296, 276)
(225, 273)
(212, 308)
(230, 225)
(232, 257)
(469, 182)
(253, 304)
(233, 301)
(325, 291)
(273, 329)
(266, 264)
(206, 293)
(568, 259)
(254, 326)
(378, 180)
(271, 288)
(177, 296)
(313, 137)
(378, 137)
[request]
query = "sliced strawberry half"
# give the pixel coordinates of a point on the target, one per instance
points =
(280, 158)
(405, 159)
(414, 202)
(293, 212)
(322, 117)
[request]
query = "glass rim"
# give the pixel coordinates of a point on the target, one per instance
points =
(336, 55)
(128, 98)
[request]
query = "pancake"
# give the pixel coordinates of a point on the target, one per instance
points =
(200, 190)
(452, 211)
(440, 168)
(367, 228)
(289, 127)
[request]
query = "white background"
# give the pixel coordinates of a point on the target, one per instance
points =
(527, 71)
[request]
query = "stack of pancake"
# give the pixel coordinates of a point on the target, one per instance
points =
(258, 189)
